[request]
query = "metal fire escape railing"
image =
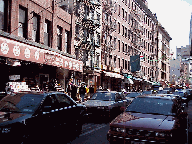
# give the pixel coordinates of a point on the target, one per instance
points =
(86, 26)
(108, 26)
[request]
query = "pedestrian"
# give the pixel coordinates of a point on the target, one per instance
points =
(91, 91)
(73, 91)
(82, 91)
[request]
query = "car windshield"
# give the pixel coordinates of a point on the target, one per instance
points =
(162, 92)
(179, 93)
(151, 106)
(132, 95)
(147, 92)
(105, 96)
(21, 103)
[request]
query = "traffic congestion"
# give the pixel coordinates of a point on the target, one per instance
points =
(152, 116)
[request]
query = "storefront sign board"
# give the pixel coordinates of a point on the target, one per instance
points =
(14, 49)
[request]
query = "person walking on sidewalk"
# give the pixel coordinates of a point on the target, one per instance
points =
(82, 91)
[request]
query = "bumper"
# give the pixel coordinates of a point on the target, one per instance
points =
(116, 139)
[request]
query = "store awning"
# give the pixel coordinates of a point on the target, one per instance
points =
(138, 79)
(115, 75)
(21, 51)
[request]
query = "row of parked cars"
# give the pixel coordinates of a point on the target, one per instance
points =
(137, 118)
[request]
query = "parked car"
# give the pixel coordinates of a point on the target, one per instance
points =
(163, 92)
(105, 103)
(130, 96)
(27, 113)
(149, 119)
(183, 94)
(147, 92)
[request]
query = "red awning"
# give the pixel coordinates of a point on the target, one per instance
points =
(13, 49)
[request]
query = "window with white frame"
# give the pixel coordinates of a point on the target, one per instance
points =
(22, 29)
(59, 38)
(36, 28)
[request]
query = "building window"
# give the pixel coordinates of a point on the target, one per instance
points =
(126, 64)
(59, 38)
(5, 16)
(119, 27)
(114, 61)
(123, 30)
(123, 47)
(119, 10)
(119, 45)
(47, 33)
(119, 62)
(129, 33)
(123, 63)
(67, 42)
(36, 28)
(22, 29)
(126, 49)
(105, 59)
(123, 13)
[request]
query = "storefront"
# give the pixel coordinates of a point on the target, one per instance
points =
(34, 66)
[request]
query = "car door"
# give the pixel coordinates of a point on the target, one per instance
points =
(48, 109)
(42, 119)
(67, 110)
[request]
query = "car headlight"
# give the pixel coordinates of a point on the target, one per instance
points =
(163, 134)
(123, 130)
(5, 130)
(100, 107)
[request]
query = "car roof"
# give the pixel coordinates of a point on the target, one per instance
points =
(156, 96)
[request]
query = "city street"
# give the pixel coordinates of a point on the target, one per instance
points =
(97, 133)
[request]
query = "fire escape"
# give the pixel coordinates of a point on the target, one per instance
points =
(108, 26)
(86, 25)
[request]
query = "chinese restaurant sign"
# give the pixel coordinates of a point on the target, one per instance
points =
(13, 49)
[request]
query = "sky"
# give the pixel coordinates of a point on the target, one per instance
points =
(174, 16)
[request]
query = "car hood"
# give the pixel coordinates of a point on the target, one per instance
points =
(8, 118)
(144, 121)
(95, 103)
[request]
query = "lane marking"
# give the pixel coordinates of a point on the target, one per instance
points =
(93, 130)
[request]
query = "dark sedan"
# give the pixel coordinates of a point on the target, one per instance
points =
(104, 103)
(28, 114)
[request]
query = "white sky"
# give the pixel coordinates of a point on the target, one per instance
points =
(174, 16)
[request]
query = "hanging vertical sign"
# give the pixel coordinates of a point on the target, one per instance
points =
(135, 63)
(141, 58)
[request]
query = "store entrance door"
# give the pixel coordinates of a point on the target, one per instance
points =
(44, 79)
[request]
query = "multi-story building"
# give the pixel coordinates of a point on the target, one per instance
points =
(163, 56)
(175, 65)
(35, 43)
(183, 53)
(135, 34)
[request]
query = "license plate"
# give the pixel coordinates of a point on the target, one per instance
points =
(133, 142)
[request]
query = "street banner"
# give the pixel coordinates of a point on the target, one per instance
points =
(135, 63)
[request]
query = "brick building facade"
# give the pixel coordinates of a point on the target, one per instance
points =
(37, 35)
